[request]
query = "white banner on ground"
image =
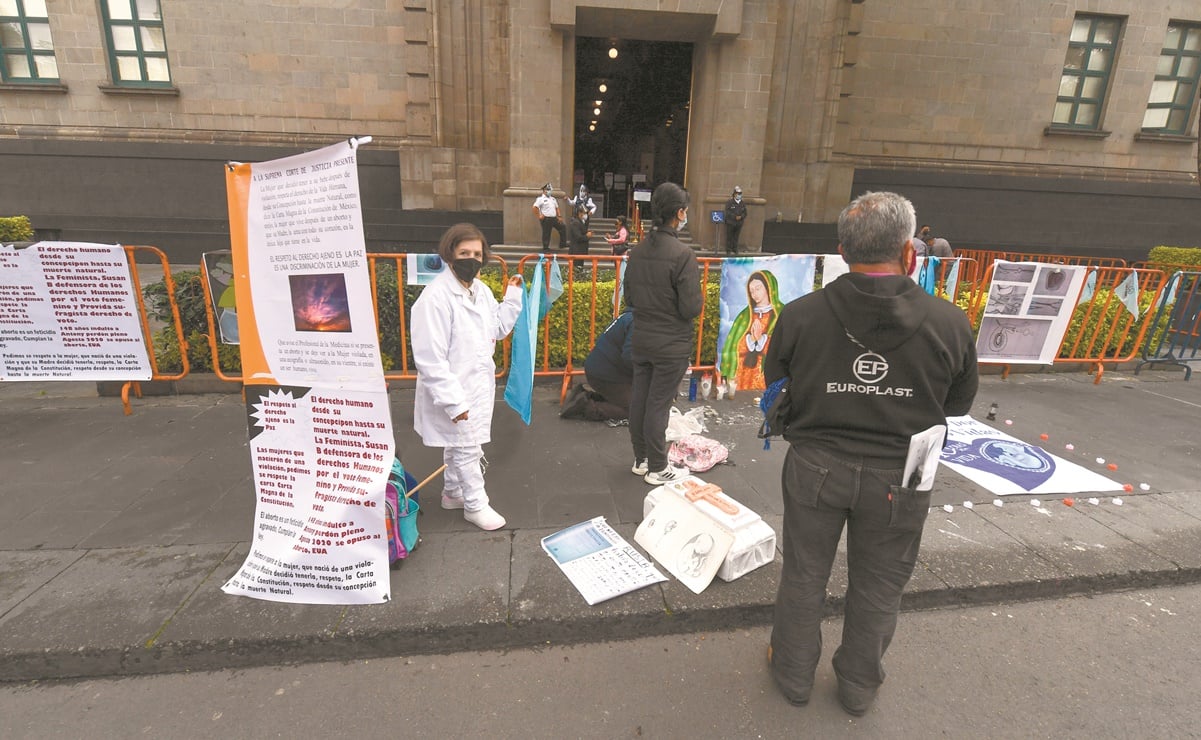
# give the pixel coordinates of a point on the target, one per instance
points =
(1006, 465)
(320, 429)
(68, 311)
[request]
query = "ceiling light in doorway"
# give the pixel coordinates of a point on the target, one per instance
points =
(596, 111)
(603, 88)
(598, 103)
(612, 52)
(592, 127)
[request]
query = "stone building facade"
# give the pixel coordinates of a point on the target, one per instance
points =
(471, 106)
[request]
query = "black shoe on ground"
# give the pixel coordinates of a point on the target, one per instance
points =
(854, 701)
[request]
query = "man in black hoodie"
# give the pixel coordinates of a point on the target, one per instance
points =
(872, 360)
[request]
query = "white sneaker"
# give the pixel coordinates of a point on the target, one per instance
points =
(486, 518)
(452, 502)
(640, 467)
(670, 474)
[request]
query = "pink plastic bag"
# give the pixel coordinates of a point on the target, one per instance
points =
(697, 453)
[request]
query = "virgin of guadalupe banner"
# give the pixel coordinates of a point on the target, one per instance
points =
(753, 290)
(1006, 465)
(321, 439)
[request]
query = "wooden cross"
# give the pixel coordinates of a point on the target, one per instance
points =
(694, 492)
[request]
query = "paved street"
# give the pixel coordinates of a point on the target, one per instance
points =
(116, 532)
(1120, 665)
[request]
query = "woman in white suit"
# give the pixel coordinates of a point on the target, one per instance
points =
(455, 324)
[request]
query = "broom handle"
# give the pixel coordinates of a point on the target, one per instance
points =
(429, 478)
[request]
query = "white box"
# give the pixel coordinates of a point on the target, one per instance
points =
(754, 540)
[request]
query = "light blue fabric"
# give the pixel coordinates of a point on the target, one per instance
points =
(554, 287)
(1090, 287)
(952, 282)
(928, 276)
(519, 390)
(1127, 293)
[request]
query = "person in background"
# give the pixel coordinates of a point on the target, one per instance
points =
(921, 241)
(735, 215)
(663, 289)
(455, 324)
(870, 360)
(620, 241)
(609, 371)
(940, 247)
(577, 239)
(546, 208)
(583, 200)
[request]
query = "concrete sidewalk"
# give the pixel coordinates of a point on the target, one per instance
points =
(117, 532)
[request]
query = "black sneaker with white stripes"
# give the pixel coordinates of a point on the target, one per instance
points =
(670, 474)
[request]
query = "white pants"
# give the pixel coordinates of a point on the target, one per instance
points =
(464, 478)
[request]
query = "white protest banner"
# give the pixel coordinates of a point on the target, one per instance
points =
(68, 311)
(1029, 307)
(1006, 465)
(833, 267)
(320, 429)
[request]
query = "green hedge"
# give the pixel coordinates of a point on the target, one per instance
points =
(388, 316)
(15, 229)
(189, 296)
(1175, 257)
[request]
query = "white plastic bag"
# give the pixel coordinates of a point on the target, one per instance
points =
(681, 425)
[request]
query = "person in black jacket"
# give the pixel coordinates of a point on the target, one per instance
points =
(609, 370)
(735, 216)
(577, 240)
(663, 289)
(872, 359)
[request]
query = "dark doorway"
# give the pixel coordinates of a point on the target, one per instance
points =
(642, 127)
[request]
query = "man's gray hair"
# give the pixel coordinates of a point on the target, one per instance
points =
(875, 227)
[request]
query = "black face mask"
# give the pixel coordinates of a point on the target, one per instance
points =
(466, 269)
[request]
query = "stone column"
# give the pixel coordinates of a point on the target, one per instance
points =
(539, 109)
(727, 128)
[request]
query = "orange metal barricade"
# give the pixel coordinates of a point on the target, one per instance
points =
(1102, 330)
(131, 253)
(589, 270)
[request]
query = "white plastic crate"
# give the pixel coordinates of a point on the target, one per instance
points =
(754, 540)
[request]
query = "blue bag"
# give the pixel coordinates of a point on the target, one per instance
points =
(775, 404)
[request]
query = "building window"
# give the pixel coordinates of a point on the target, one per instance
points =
(26, 51)
(137, 46)
(1175, 88)
(1091, 51)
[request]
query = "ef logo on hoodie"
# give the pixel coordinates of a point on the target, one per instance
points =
(870, 367)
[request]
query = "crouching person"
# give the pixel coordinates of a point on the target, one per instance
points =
(455, 324)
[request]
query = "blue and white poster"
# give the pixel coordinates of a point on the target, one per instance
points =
(1005, 465)
(753, 290)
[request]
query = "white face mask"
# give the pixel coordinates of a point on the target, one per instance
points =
(737, 198)
(684, 221)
